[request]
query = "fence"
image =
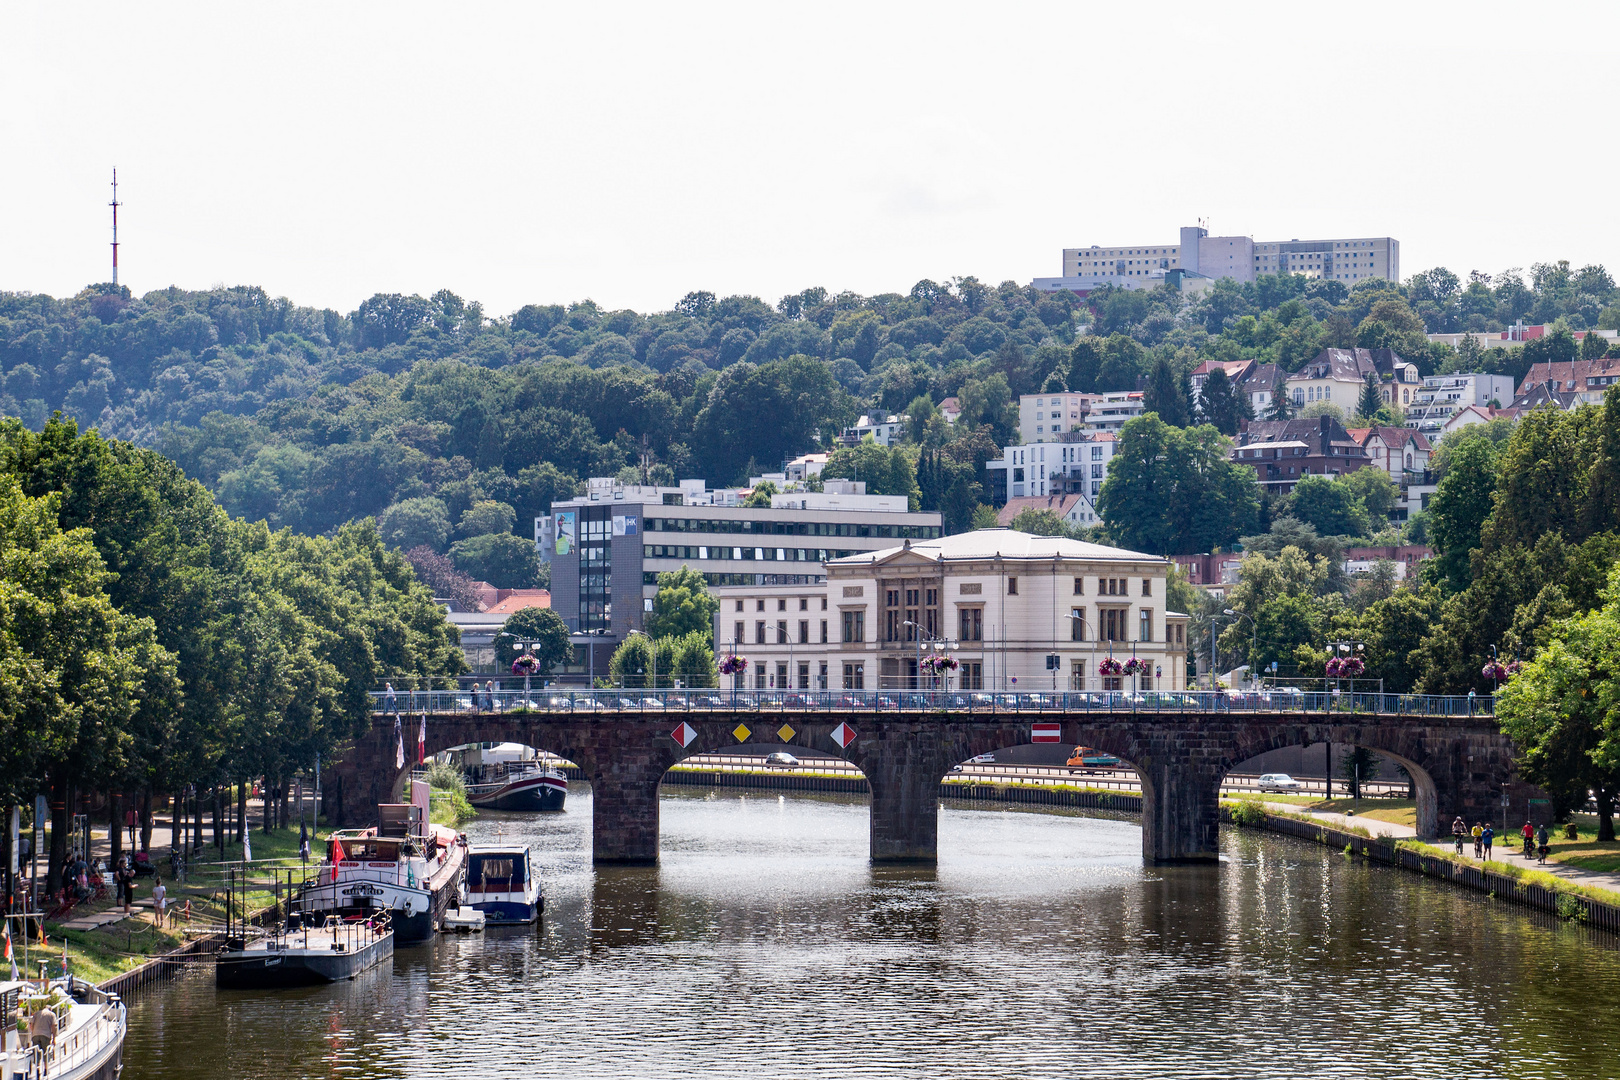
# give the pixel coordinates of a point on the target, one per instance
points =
(1278, 701)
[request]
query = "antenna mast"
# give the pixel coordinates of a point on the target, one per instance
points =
(114, 205)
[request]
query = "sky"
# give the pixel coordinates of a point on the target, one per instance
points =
(538, 153)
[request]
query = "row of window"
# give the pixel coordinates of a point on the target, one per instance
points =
(650, 578)
(682, 551)
(794, 528)
(739, 633)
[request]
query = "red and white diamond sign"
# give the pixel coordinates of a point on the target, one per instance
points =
(683, 734)
(843, 735)
(1045, 732)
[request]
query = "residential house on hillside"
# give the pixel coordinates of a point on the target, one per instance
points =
(1072, 508)
(1441, 396)
(1338, 375)
(1403, 454)
(1478, 414)
(886, 428)
(1362, 560)
(1043, 417)
(1078, 463)
(1283, 451)
(1110, 412)
(950, 409)
(1588, 380)
(1257, 385)
(1236, 371)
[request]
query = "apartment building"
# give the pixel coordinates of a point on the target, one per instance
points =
(1016, 611)
(1587, 380)
(1042, 417)
(1077, 463)
(608, 547)
(1283, 451)
(1439, 397)
(1198, 255)
(1338, 375)
(886, 428)
(1112, 411)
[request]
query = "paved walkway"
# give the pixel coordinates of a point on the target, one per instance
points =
(1512, 853)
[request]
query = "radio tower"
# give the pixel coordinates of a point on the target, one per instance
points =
(114, 205)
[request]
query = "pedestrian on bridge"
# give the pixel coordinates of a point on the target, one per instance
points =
(390, 705)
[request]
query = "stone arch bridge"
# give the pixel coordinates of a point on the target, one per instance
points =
(1458, 764)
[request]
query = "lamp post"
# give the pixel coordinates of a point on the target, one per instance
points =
(652, 654)
(1254, 636)
(1076, 617)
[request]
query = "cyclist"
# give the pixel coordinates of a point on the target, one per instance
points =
(1459, 829)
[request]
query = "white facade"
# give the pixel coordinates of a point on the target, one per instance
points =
(1440, 397)
(1110, 412)
(887, 429)
(1002, 603)
(1349, 259)
(1078, 464)
(1043, 417)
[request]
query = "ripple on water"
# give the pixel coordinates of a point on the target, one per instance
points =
(765, 944)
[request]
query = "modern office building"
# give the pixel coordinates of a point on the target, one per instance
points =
(607, 548)
(1016, 611)
(1197, 255)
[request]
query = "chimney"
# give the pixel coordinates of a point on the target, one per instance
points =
(1325, 421)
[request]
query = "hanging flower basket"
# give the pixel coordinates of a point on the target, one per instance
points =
(1514, 668)
(526, 665)
(940, 664)
(733, 665)
(1494, 671)
(1109, 666)
(1133, 665)
(1351, 666)
(1335, 667)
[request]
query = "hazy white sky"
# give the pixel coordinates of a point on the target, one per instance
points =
(524, 152)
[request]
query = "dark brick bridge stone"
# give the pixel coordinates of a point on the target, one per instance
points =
(1458, 764)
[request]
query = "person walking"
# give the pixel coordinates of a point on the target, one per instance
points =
(160, 901)
(1487, 836)
(389, 703)
(1479, 844)
(42, 1029)
(1459, 829)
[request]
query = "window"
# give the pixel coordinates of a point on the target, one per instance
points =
(1147, 586)
(781, 603)
(854, 676)
(1079, 586)
(781, 674)
(759, 632)
(781, 632)
(804, 676)
(855, 625)
(1179, 629)
(973, 676)
(1012, 586)
(972, 619)
(823, 603)
(824, 631)
(1077, 624)
(737, 633)
(804, 631)
(739, 605)
(1145, 625)
(759, 605)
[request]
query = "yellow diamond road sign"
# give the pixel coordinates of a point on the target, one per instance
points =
(786, 732)
(742, 732)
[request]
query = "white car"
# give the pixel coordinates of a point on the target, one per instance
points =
(982, 759)
(782, 759)
(1277, 781)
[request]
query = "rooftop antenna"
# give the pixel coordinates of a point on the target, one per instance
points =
(114, 205)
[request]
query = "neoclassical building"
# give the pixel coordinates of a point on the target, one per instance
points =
(1017, 611)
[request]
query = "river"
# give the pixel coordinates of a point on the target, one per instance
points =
(766, 945)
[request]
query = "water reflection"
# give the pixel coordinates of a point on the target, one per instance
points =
(766, 943)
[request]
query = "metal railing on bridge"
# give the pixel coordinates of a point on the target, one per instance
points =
(661, 701)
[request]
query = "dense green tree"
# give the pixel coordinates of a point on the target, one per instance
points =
(1459, 508)
(1163, 396)
(503, 560)
(540, 628)
(486, 516)
(1370, 402)
(682, 606)
(886, 470)
(1223, 405)
(1175, 491)
(421, 522)
(1329, 506)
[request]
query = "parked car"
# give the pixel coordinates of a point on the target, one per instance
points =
(781, 759)
(1276, 781)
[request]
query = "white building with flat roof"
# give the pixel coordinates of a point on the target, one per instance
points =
(1078, 463)
(1440, 397)
(1016, 611)
(1349, 260)
(1042, 417)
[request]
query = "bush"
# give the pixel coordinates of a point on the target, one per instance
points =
(1249, 812)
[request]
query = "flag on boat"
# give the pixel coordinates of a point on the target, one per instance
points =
(9, 955)
(399, 744)
(421, 741)
(1045, 732)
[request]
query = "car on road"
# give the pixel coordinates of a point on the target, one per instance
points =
(1277, 781)
(982, 759)
(781, 759)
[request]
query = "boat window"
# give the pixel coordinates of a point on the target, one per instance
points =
(493, 868)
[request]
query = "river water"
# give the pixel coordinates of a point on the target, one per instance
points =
(766, 945)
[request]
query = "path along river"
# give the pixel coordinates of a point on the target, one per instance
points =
(766, 945)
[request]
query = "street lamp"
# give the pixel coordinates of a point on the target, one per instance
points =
(1254, 636)
(652, 653)
(1075, 616)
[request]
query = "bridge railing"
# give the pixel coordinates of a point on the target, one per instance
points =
(675, 702)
